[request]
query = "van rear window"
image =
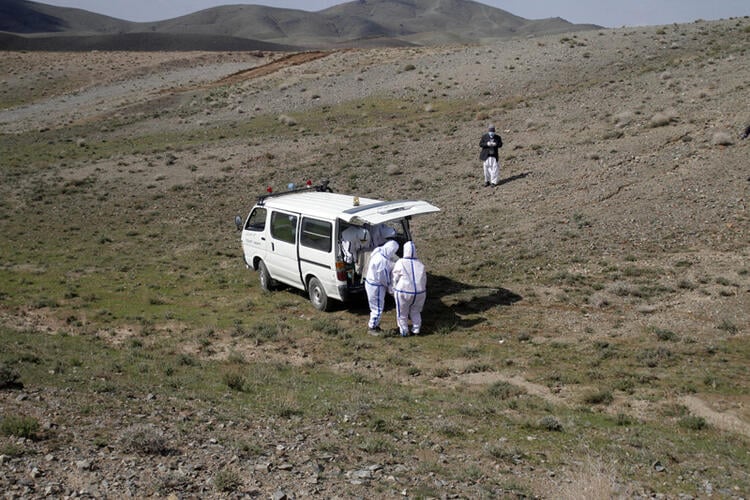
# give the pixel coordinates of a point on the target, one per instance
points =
(316, 234)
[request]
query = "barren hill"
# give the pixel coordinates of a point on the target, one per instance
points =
(353, 24)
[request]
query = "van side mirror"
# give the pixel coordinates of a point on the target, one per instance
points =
(238, 222)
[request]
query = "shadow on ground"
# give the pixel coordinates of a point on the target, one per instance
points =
(512, 178)
(452, 304)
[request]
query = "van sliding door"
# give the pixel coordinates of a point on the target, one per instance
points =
(283, 264)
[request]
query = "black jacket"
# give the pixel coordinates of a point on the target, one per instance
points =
(488, 151)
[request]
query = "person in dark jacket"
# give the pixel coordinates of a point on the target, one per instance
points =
(490, 144)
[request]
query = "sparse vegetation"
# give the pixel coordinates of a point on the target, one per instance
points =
(19, 426)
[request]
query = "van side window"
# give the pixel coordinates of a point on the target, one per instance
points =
(257, 220)
(284, 227)
(316, 234)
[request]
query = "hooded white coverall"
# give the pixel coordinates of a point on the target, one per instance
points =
(353, 241)
(409, 290)
(378, 280)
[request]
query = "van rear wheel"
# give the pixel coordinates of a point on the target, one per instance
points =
(266, 283)
(317, 294)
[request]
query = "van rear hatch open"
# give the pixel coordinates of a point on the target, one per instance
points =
(385, 211)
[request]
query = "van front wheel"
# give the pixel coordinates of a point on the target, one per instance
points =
(317, 294)
(266, 283)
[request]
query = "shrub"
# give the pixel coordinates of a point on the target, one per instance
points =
(326, 326)
(653, 357)
(550, 423)
(234, 380)
(504, 390)
(17, 426)
(663, 334)
(728, 326)
(603, 397)
(144, 439)
(9, 378)
(693, 423)
(227, 480)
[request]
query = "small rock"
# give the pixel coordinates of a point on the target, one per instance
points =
(83, 464)
(393, 169)
(722, 138)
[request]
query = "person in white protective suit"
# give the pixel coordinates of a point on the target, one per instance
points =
(378, 282)
(409, 290)
(380, 233)
(354, 240)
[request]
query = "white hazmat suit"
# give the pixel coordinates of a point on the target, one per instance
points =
(409, 290)
(354, 241)
(378, 281)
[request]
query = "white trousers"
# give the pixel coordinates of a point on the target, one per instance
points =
(376, 299)
(491, 170)
(409, 307)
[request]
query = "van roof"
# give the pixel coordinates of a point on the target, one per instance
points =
(342, 206)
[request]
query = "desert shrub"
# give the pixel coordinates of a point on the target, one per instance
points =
(664, 334)
(413, 371)
(623, 420)
(19, 426)
(236, 358)
(450, 430)
(263, 332)
(144, 439)
(478, 368)
(12, 450)
(549, 423)
(375, 445)
(602, 397)
(234, 380)
(227, 480)
(186, 360)
(9, 378)
(693, 423)
(504, 390)
(728, 326)
(654, 357)
(248, 450)
(505, 454)
(170, 482)
(686, 285)
(326, 326)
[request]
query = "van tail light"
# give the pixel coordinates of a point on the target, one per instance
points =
(340, 271)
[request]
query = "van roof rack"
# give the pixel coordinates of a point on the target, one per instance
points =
(322, 187)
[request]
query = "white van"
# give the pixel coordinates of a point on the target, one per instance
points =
(294, 237)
